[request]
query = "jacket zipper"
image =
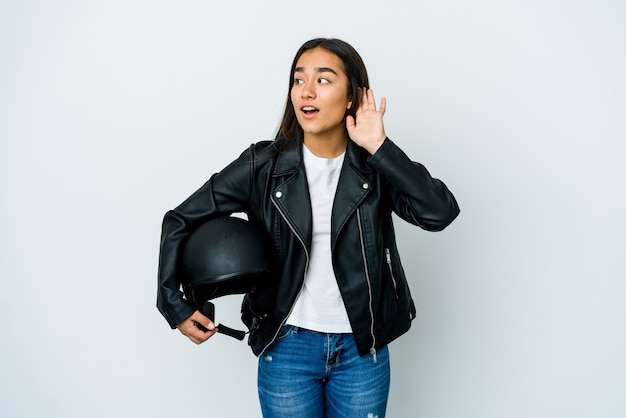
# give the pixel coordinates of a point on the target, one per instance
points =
(393, 279)
(369, 285)
(306, 267)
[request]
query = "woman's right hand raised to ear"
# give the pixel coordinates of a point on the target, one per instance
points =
(189, 328)
(367, 129)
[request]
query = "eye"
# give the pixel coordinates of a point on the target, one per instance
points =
(323, 81)
(297, 81)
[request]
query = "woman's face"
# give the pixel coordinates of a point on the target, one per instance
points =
(320, 94)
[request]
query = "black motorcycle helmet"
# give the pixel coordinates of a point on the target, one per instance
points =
(224, 256)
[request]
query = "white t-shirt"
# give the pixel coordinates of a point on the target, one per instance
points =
(319, 306)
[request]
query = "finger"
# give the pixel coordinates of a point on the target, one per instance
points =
(197, 327)
(363, 98)
(205, 326)
(194, 339)
(197, 340)
(189, 334)
(350, 124)
(371, 102)
(198, 336)
(383, 105)
(202, 320)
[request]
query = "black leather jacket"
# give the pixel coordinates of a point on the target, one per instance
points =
(269, 184)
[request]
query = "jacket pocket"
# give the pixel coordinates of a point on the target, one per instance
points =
(390, 268)
(395, 297)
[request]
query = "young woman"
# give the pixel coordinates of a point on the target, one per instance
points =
(324, 190)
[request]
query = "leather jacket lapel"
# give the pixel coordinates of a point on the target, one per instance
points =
(352, 188)
(354, 185)
(291, 193)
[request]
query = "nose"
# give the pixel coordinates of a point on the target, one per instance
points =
(308, 91)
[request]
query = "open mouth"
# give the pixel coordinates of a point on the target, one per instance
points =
(309, 110)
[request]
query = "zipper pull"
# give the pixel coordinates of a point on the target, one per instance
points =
(373, 353)
(393, 279)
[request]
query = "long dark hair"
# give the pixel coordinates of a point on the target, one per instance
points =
(353, 66)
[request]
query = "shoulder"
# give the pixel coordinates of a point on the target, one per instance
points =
(258, 149)
(264, 151)
(265, 148)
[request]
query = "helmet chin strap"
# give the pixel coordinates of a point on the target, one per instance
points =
(208, 310)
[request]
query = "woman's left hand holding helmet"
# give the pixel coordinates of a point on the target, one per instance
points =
(190, 328)
(368, 130)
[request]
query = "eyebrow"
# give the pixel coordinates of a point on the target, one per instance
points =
(317, 70)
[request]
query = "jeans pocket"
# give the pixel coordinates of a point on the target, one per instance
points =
(285, 332)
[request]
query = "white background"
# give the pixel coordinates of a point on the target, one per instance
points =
(113, 112)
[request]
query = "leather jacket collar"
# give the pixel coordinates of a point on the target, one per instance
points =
(288, 161)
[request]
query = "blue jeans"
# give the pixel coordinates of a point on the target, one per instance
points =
(306, 374)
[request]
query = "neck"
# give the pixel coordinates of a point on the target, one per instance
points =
(326, 146)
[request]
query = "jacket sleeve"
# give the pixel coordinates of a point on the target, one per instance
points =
(224, 193)
(415, 195)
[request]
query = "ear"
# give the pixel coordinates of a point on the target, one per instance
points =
(350, 97)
